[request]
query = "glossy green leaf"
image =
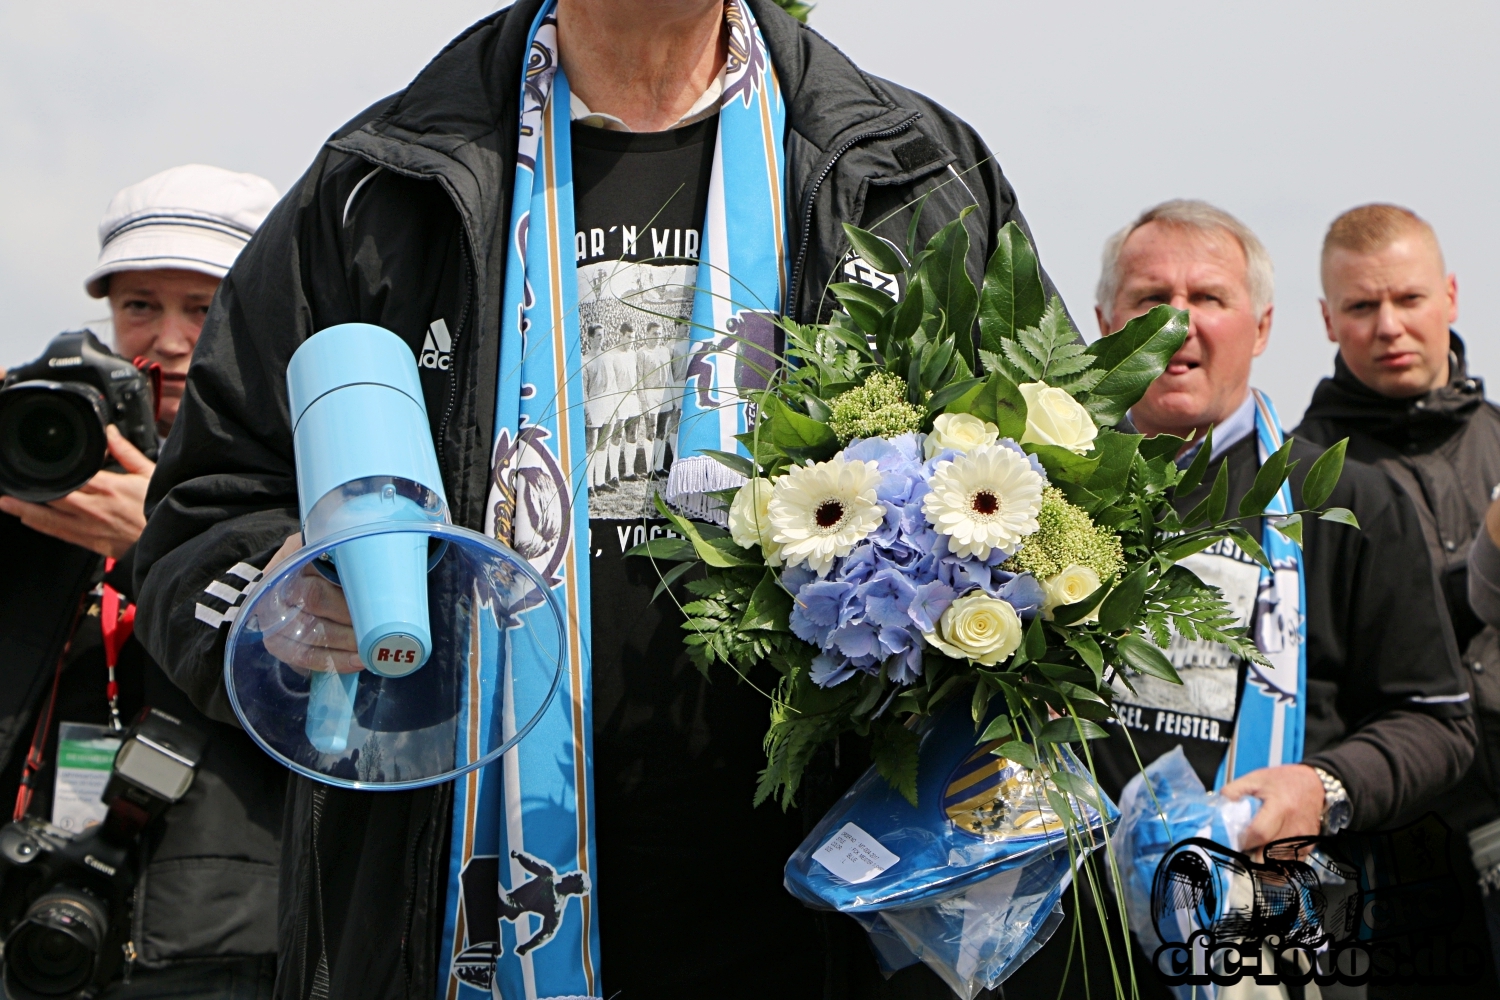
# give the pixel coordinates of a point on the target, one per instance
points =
(865, 305)
(1077, 786)
(1035, 640)
(670, 577)
(1218, 496)
(720, 552)
(1124, 602)
(1001, 403)
(1116, 454)
(979, 705)
(1324, 476)
(1182, 549)
(1067, 614)
(874, 249)
(1066, 730)
(1018, 752)
(770, 606)
(998, 729)
(1340, 515)
(1012, 297)
(946, 276)
(943, 400)
(1144, 656)
(1193, 475)
(1131, 359)
(1162, 446)
(1273, 472)
(1088, 650)
(790, 429)
(732, 461)
(1063, 465)
(1290, 527)
(666, 549)
(1250, 546)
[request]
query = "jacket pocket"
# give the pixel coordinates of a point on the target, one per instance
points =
(196, 908)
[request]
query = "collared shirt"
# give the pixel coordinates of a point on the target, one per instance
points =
(705, 106)
(1226, 434)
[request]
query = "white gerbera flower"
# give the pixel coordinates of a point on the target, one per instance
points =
(986, 499)
(819, 512)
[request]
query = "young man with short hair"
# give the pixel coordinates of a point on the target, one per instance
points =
(1401, 392)
(1362, 712)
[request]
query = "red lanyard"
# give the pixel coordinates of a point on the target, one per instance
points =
(117, 625)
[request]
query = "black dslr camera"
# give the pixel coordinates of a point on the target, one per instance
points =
(53, 412)
(64, 898)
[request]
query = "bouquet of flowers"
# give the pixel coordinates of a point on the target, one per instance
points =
(928, 518)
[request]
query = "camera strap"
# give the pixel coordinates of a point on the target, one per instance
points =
(34, 755)
(117, 624)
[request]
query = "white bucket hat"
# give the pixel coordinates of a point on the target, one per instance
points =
(196, 218)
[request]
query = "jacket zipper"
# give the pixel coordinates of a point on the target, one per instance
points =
(812, 195)
(458, 333)
(469, 280)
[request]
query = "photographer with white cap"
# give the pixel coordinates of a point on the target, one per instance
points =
(203, 920)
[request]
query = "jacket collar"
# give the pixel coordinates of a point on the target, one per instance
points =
(458, 118)
(1433, 414)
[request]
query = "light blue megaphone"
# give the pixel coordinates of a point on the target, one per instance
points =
(360, 433)
(429, 604)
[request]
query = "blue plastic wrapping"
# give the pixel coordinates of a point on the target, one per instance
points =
(968, 880)
(1159, 809)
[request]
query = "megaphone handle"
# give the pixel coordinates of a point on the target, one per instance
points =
(330, 710)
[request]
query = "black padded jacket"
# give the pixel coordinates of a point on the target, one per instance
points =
(401, 220)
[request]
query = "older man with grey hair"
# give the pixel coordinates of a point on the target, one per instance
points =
(1375, 715)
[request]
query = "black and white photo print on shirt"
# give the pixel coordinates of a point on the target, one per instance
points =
(639, 202)
(1199, 713)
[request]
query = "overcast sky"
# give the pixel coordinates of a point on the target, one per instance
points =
(1284, 113)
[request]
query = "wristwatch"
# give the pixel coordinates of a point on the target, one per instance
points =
(1337, 810)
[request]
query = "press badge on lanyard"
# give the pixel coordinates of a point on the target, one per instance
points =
(85, 755)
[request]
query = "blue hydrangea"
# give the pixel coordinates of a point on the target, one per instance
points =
(874, 605)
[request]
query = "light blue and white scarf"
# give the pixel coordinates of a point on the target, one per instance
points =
(523, 854)
(1272, 717)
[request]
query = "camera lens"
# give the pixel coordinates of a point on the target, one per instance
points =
(51, 439)
(55, 949)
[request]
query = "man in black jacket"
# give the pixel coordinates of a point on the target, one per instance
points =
(1402, 395)
(204, 920)
(402, 221)
(1387, 717)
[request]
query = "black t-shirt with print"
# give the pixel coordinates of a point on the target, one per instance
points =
(689, 882)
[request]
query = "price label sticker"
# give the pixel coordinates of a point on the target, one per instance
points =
(85, 756)
(854, 856)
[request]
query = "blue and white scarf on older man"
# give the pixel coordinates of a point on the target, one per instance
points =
(521, 921)
(1272, 719)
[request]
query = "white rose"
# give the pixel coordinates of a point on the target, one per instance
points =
(1069, 587)
(750, 519)
(978, 627)
(963, 432)
(1054, 417)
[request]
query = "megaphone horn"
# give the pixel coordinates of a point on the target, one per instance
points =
(425, 617)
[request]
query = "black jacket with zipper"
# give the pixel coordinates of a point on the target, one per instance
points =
(402, 220)
(1443, 447)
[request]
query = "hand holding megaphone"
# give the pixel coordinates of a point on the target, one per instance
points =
(317, 632)
(375, 649)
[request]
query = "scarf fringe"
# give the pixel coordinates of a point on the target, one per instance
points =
(690, 482)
